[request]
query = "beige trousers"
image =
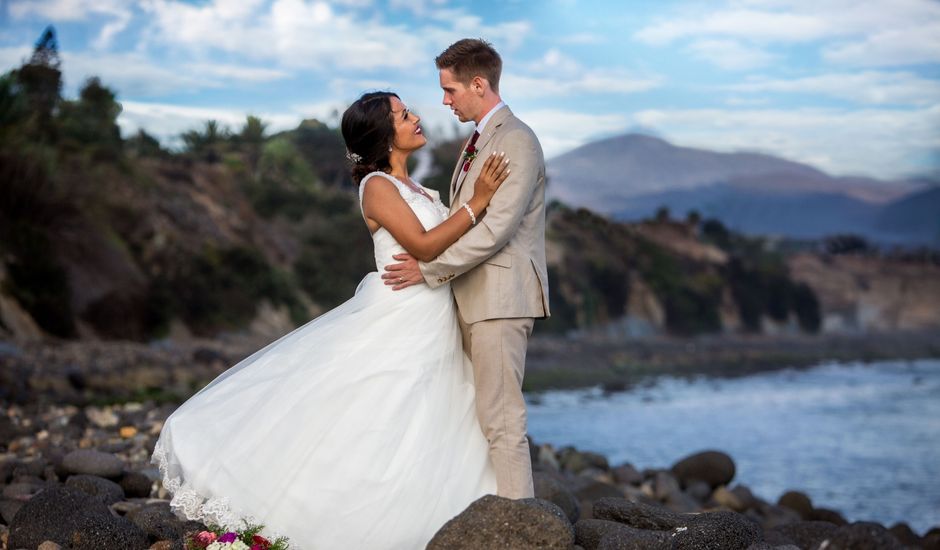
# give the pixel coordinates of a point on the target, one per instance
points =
(497, 349)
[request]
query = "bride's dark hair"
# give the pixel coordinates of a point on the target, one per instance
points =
(368, 132)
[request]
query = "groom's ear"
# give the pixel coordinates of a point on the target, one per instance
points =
(479, 85)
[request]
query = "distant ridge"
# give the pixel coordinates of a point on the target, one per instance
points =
(632, 175)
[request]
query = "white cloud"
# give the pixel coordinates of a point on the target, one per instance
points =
(237, 72)
(879, 142)
(747, 24)
(869, 87)
(290, 33)
(730, 54)
(557, 75)
(560, 130)
(167, 121)
(78, 10)
(871, 33)
(903, 46)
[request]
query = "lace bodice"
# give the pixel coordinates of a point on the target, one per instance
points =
(429, 213)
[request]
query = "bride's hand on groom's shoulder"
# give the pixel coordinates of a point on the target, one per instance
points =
(403, 274)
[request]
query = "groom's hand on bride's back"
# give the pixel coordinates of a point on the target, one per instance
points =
(403, 274)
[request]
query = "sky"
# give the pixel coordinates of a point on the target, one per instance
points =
(850, 87)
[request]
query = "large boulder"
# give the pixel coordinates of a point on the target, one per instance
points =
(861, 536)
(73, 519)
(597, 534)
(636, 514)
(93, 463)
(805, 534)
(713, 467)
(551, 489)
(496, 522)
(798, 502)
(159, 522)
(100, 488)
(706, 530)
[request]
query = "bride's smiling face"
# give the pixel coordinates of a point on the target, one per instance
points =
(408, 133)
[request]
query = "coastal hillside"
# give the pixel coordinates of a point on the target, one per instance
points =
(105, 237)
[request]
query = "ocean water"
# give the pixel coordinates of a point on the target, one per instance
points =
(863, 439)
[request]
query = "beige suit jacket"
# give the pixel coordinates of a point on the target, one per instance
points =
(498, 266)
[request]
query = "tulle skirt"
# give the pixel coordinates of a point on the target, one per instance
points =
(357, 430)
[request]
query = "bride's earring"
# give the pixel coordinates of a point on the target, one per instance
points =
(389, 148)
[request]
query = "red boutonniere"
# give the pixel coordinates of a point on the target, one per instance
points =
(469, 154)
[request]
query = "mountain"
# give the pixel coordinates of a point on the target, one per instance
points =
(631, 176)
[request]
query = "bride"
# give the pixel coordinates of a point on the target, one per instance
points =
(358, 429)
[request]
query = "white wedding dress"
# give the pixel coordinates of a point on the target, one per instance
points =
(357, 430)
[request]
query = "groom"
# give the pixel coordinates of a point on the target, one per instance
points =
(498, 269)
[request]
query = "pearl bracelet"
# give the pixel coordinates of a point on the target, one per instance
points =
(473, 219)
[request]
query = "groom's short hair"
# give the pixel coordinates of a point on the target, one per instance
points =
(472, 57)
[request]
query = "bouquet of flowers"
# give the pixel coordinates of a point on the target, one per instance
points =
(217, 538)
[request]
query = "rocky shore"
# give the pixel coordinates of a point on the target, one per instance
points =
(102, 372)
(79, 477)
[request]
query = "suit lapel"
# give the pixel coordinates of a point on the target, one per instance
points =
(491, 127)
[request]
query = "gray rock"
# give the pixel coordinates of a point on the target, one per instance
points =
(24, 490)
(805, 534)
(100, 488)
(700, 491)
(771, 516)
(136, 485)
(549, 507)
(551, 489)
(626, 474)
(637, 515)
(496, 522)
(861, 536)
(905, 534)
(726, 498)
(49, 545)
(724, 530)
(93, 533)
(53, 514)
(30, 468)
(798, 502)
(825, 514)
(589, 489)
(8, 509)
(91, 462)
(713, 467)
(665, 486)
(575, 461)
(595, 534)
(682, 503)
(159, 522)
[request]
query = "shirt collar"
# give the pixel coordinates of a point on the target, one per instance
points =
(488, 116)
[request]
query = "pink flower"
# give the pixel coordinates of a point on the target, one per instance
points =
(228, 537)
(204, 538)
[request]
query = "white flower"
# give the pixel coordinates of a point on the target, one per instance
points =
(217, 546)
(239, 545)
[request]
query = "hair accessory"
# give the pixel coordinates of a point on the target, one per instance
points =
(353, 157)
(473, 219)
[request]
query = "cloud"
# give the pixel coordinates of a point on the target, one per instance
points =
(881, 142)
(868, 87)
(747, 24)
(562, 130)
(558, 75)
(289, 33)
(908, 46)
(167, 121)
(730, 54)
(78, 10)
(872, 33)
